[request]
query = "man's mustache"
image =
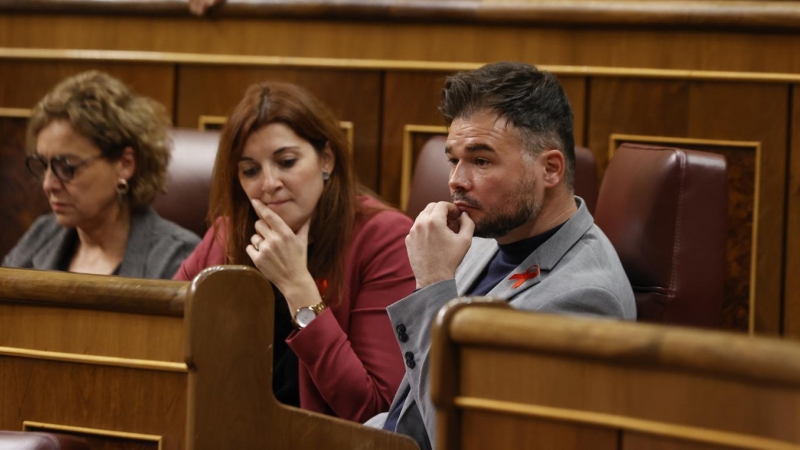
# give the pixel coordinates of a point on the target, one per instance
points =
(464, 198)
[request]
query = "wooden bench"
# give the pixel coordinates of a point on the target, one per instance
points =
(507, 379)
(103, 357)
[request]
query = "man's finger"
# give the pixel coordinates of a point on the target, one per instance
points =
(445, 211)
(467, 225)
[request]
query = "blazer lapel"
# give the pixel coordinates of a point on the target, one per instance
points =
(50, 255)
(541, 261)
(135, 260)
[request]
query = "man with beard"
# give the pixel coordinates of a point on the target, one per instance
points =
(513, 231)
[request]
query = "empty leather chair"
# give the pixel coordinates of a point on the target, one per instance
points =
(189, 179)
(665, 212)
(24, 440)
(432, 171)
(430, 176)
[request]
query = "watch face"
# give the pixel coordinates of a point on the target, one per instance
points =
(304, 317)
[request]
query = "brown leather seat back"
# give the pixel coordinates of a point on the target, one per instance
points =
(586, 185)
(665, 212)
(186, 200)
(19, 440)
(432, 171)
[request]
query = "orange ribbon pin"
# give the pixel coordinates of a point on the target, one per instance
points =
(530, 272)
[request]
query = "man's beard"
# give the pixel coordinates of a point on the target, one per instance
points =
(521, 209)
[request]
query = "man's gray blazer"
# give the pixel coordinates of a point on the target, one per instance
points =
(580, 273)
(156, 247)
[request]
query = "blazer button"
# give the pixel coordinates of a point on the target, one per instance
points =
(410, 363)
(402, 337)
(400, 329)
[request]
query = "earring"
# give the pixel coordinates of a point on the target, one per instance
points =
(122, 188)
(326, 176)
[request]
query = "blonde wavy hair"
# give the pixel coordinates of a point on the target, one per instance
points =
(104, 110)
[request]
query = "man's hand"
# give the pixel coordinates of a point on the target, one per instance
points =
(437, 242)
(199, 7)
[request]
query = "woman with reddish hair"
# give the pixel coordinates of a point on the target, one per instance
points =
(285, 200)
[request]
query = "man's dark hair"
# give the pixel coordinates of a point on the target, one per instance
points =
(530, 99)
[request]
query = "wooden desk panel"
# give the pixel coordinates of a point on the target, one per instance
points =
(89, 332)
(653, 386)
(99, 397)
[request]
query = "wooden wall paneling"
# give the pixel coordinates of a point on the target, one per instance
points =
(576, 89)
(94, 396)
(750, 112)
(409, 98)
(791, 291)
(24, 82)
(754, 112)
(352, 95)
(410, 109)
(216, 123)
(22, 194)
(632, 46)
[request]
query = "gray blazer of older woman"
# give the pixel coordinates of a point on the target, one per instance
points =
(156, 247)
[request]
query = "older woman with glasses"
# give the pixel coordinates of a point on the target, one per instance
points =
(101, 153)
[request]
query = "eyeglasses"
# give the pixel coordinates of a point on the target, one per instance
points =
(59, 165)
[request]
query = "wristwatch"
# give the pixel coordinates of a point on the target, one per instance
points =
(306, 314)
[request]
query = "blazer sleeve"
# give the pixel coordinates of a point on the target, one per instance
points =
(415, 314)
(168, 255)
(357, 372)
(209, 252)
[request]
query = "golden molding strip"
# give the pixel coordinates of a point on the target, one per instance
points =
(29, 425)
(144, 364)
(204, 123)
(407, 168)
(615, 141)
(377, 64)
(347, 126)
(682, 432)
(15, 113)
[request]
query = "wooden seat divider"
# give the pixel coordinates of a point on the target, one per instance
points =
(98, 356)
(508, 379)
(229, 323)
(106, 358)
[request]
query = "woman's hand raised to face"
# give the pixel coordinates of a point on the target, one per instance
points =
(281, 255)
